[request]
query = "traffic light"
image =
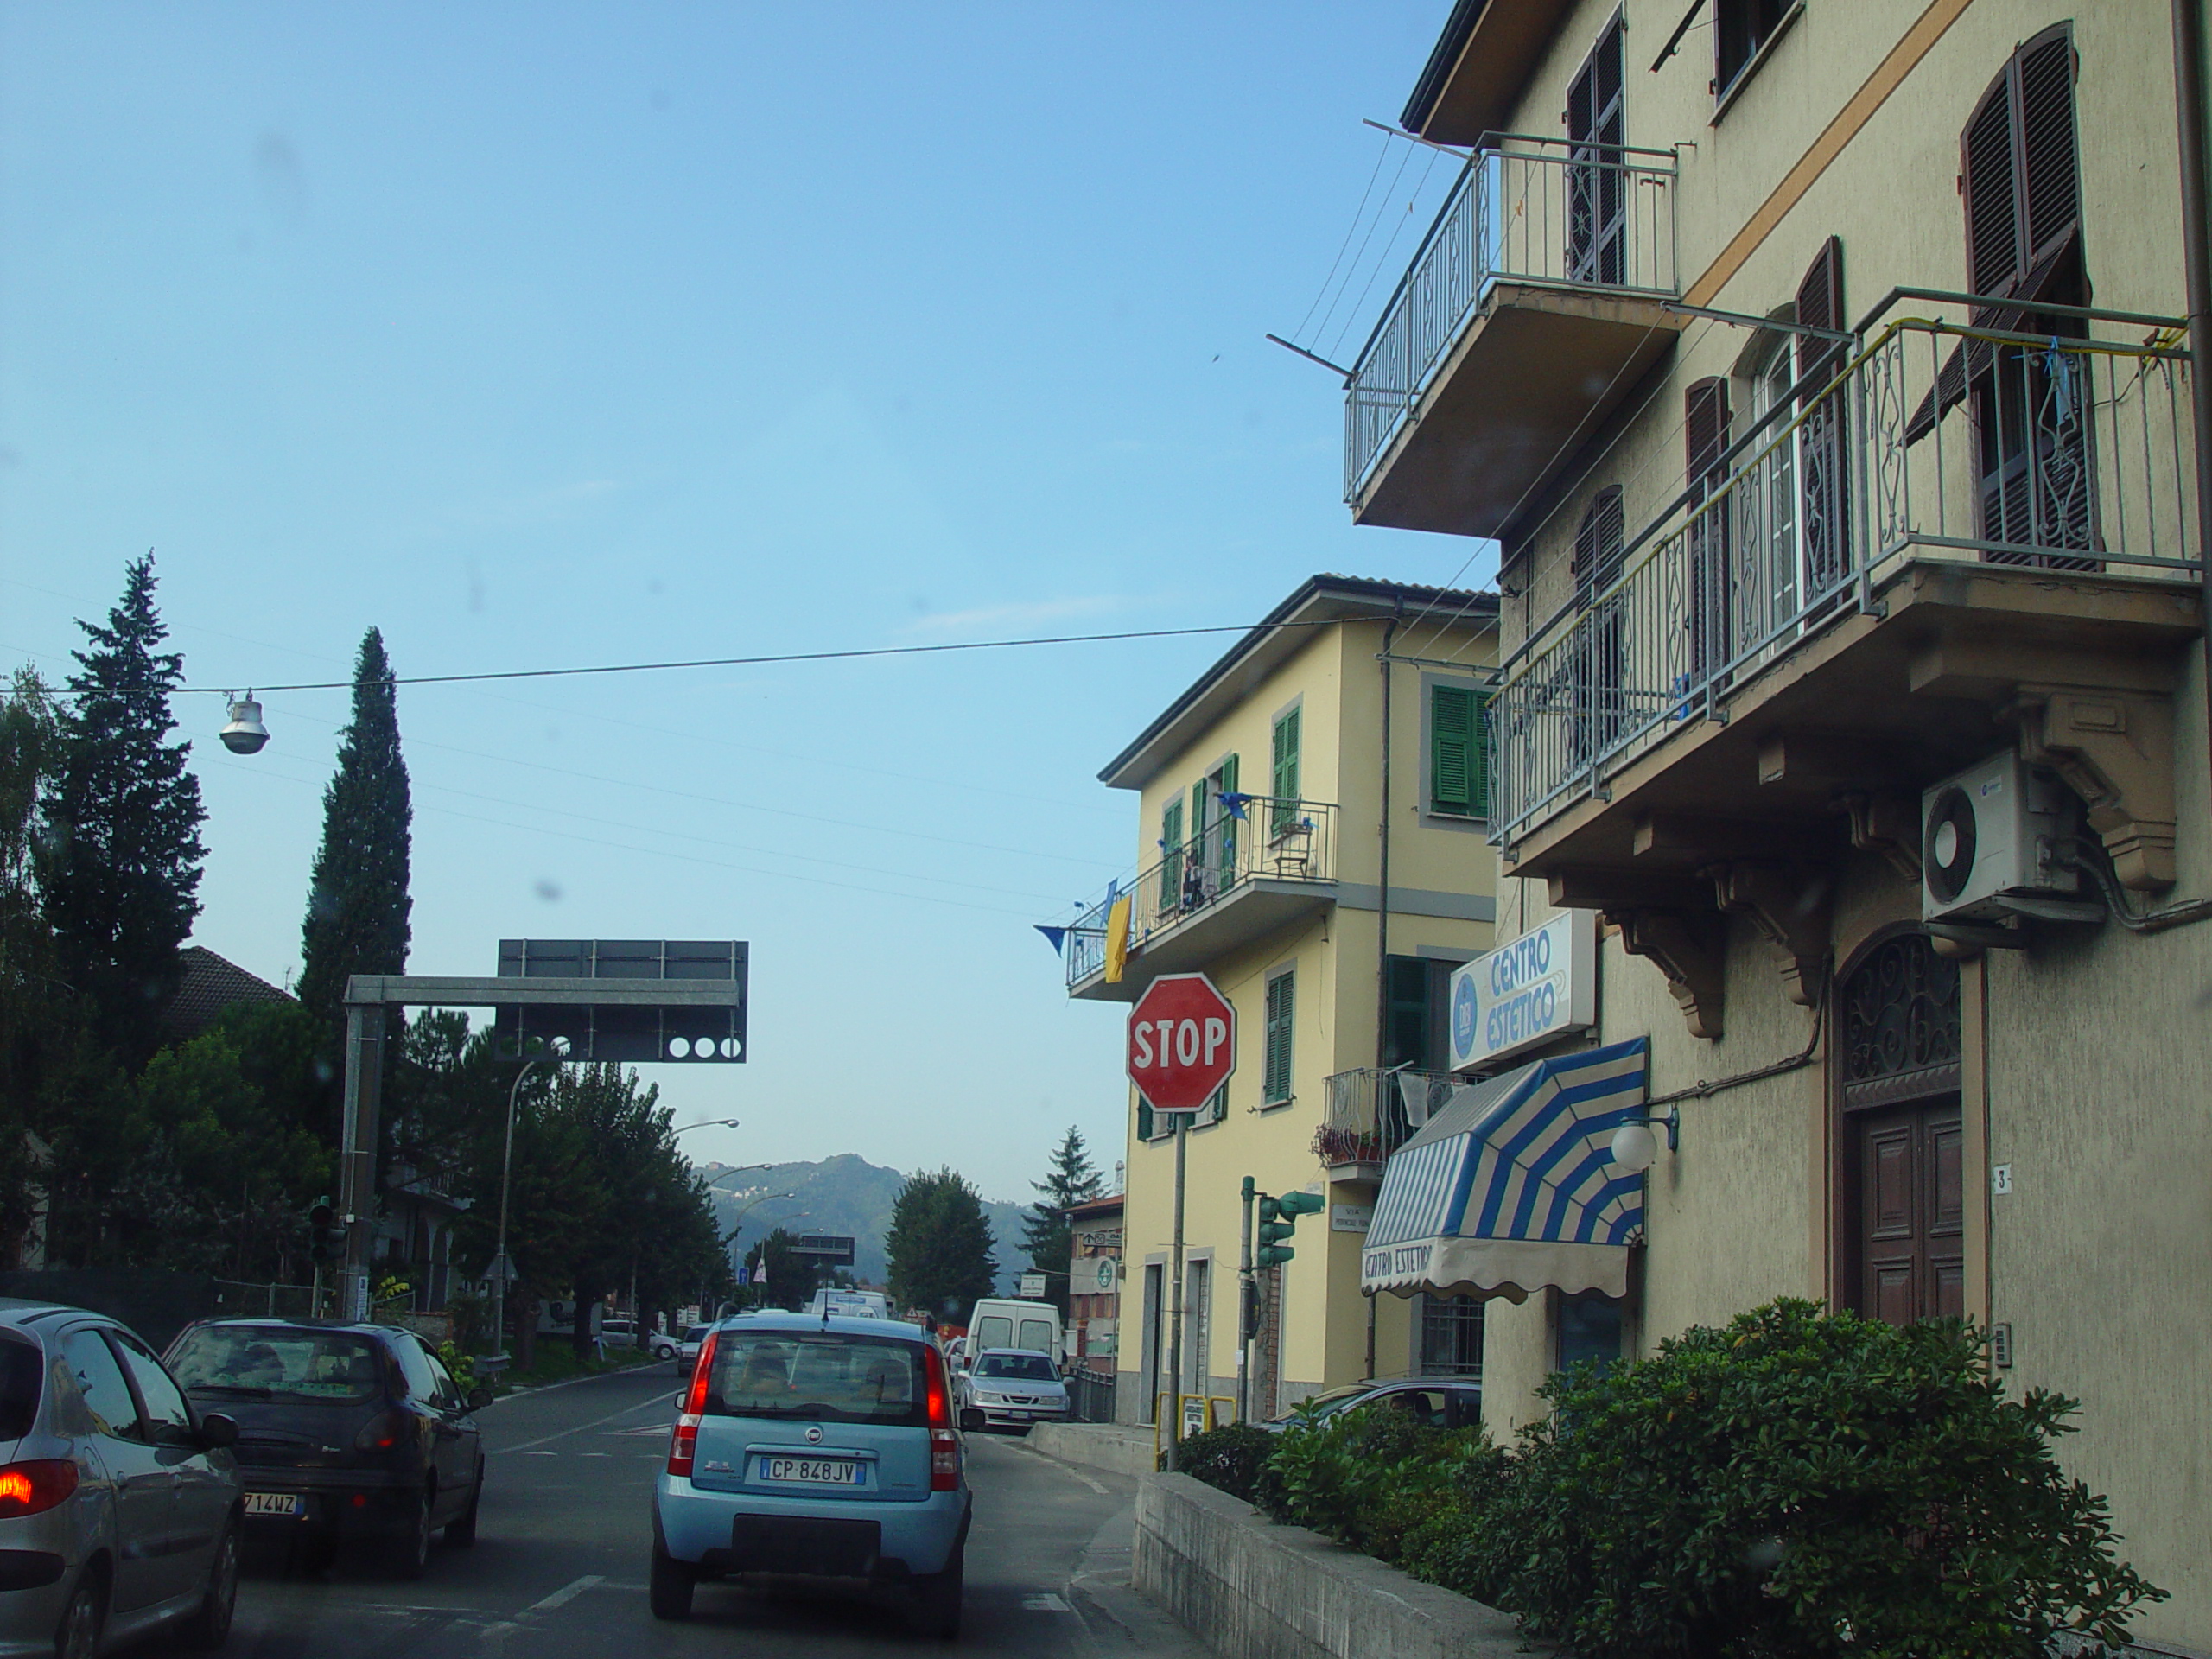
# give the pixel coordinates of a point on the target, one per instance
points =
(1278, 1220)
(326, 1238)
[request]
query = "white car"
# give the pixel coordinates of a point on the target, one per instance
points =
(1014, 1387)
(661, 1345)
(687, 1346)
(618, 1333)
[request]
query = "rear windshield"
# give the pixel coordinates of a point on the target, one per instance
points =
(822, 1375)
(275, 1363)
(22, 1375)
(994, 1329)
(1026, 1368)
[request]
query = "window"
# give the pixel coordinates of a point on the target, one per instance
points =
(278, 1363)
(1275, 1086)
(1458, 752)
(1598, 665)
(821, 1375)
(1740, 29)
(415, 1366)
(99, 1379)
(1284, 783)
(1450, 1335)
(1420, 993)
(1823, 475)
(1589, 1328)
(23, 1380)
(167, 1416)
(1171, 854)
(1709, 617)
(1597, 184)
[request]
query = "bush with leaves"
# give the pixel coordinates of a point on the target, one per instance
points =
(1228, 1457)
(1798, 1483)
(1365, 1477)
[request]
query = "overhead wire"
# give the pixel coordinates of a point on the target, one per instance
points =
(1375, 224)
(1383, 261)
(1382, 155)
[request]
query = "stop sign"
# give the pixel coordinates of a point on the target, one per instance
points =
(1182, 1042)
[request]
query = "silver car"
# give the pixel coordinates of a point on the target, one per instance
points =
(1014, 1387)
(119, 1502)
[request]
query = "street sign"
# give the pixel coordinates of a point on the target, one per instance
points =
(828, 1249)
(1182, 1042)
(632, 1026)
(1106, 1278)
(1033, 1286)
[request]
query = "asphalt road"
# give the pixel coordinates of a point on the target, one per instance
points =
(559, 1567)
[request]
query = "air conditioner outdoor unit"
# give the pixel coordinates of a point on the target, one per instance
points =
(1990, 844)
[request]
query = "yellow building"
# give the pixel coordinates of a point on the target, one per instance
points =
(1269, 861)
(1817, 366)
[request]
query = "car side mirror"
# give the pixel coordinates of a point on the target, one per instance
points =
(218, 1432)
(971, 1420)
(479, 1396)
(682, 1394)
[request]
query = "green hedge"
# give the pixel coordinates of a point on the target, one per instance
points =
(1794, 1482)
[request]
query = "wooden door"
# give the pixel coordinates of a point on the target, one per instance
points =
(1911, 1211)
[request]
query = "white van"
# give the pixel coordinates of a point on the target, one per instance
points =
(1001, 1322)
(850, 1304)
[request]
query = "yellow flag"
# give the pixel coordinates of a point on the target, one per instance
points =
(1118, 939)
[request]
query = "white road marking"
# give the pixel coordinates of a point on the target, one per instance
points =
(541, 1454)
(567, 1594)
(548, 1440)
(1065, 1468)
(1047, 1603)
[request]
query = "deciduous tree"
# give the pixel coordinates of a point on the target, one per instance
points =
(938, 1248)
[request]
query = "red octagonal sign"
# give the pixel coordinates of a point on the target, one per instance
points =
(1182, 1042)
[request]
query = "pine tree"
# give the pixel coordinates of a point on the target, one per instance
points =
(1045, 1234)
(358, 904)
(938, 1252)
(120, 858)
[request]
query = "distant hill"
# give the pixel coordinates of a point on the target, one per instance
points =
(844, 1194)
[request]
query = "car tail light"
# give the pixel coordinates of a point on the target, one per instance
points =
(382, 1431)
(944, 1445)
(34, 1485)
(684, 1443)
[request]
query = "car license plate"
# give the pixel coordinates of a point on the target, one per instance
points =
(812, 1472)
(275, 1503)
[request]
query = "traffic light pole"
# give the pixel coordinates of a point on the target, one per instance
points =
(1175, 1300)
(1244, 1311)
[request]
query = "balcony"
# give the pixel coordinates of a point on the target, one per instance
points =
(1372, 1113)
(1532, 307)
(1965, 539)
(1263, 865)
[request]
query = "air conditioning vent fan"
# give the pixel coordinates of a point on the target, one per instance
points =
(1993, 834)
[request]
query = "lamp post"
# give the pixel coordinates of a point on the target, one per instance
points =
(502, 1270)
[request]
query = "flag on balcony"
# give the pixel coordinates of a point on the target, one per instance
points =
(1512, 1187)
(1055, 937)
(1117, 940)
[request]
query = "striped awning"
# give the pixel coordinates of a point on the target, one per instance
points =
(1511, 1186)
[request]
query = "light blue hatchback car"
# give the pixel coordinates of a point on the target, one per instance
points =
(815, 1450)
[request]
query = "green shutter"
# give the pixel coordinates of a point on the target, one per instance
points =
(1171, 854)
(1144, 1118)
(1453, 760)
(1228, 826)
(1478, 766)
(1281, 1000)
(1217, 1105)
(1286, 774)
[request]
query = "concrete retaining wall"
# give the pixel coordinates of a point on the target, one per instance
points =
(1097, 1446)
(1250, 1589)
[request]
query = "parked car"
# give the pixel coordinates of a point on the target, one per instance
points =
(825, 1450)
(687, 1347)
(663, 1345)
(618, 1333)
(345, 1431)
(119, 1502)
(1014, 1387)
(1443, 1402)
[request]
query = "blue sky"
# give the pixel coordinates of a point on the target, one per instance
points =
(545, 335)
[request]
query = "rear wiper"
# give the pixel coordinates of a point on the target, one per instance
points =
(246, 1390)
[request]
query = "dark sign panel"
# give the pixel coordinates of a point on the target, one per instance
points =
(633, 1029)
(830, 1249)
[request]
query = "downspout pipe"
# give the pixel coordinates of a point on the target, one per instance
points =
(1382, 915)
(2190, 122)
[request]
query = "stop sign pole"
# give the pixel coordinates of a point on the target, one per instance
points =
(1182, 1047)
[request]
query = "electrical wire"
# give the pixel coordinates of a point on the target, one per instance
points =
(1389, 194)
(1383, 262)
(1382, 155)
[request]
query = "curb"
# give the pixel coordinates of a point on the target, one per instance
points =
(571, 1382)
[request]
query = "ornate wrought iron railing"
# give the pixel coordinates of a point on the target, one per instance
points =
(1524, 210)
(1254, 836)
(1932, 439)
(1373, 1112)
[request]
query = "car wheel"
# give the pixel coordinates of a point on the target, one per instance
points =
(209, 1626)
(461, 1534)
(79, 1634)
(410, 1552)
(669, 1588)
(937, 1600)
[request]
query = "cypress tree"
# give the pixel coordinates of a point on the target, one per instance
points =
(358, 904)
(120, 862)
(1046, 1235)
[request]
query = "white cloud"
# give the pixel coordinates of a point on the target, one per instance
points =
(1030, 614)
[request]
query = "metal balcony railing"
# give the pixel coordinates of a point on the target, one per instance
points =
(1524, 210)
(1932, 439)
(1372, 1112)
(1260, 836)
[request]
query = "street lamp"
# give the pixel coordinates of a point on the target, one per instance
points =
(501, 1269)
(711, 1123)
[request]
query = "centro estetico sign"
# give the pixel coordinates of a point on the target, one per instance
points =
(1543, 984)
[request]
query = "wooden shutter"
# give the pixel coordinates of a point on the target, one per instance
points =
(1171, 854)
(1820, 305)
(1282, 1000)
(1227, 830)
(1144, 1119)
(1705, 436)
(1994, 261)
(2050, 193)
(1705, 429)
(1217, 1104)
(1822, 469)
(1285, 757)
(1598, 544)
(1452, 757)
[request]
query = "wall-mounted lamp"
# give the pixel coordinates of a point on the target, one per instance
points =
(1636, 1147)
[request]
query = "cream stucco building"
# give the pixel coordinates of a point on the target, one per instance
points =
(1312, 822)
(1816, 367)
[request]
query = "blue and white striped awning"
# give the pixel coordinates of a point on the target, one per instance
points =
(1511, 1186)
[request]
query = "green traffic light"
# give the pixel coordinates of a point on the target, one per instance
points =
(1301, 1204)
(1272, 1256)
